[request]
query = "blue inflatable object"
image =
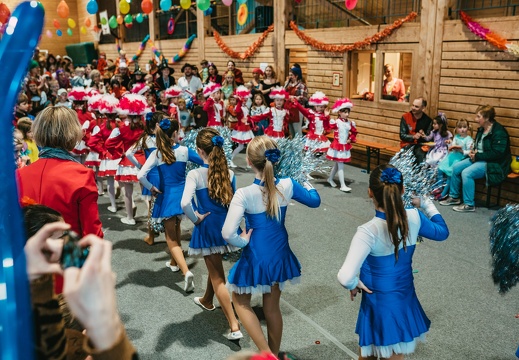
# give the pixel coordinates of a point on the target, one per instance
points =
(16, 50)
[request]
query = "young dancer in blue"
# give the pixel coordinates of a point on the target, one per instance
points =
(267, 261)
(214, 185)
(391, 320)
(171, 160)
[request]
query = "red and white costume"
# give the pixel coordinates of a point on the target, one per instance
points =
(174, 92)
(278, 118)
(85, 117)
(319, 123)
(344, 130)
(242, 133)
(92, 159)
(108, 167)
(214, 109)
(124, 137)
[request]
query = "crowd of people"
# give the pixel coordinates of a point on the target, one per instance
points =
(127, 130)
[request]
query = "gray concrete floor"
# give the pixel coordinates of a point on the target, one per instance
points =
(470, 320)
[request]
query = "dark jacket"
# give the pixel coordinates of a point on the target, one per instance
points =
(406, 134)
(496, 152)
(159, 83)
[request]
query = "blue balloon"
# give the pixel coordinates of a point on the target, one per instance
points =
(59, 32)
(208, 12)
(92, 7)
(16, 50)
(165, 5)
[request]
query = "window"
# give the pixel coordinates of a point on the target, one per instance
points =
(486, 8)
(184, 20)
(109, 7)
(137, 31)
(260, 15)
(362, 78)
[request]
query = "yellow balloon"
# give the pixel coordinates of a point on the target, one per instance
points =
(185, 4)
(71, 23)
(83, 30)
(124, 7)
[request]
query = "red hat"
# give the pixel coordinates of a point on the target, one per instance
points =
(78, 93)
(108, 104)
(173, 91)
(211, 88)
(242, 92)
(257, 71)
(140, 88)
(132, 104)
(278, 93)
(318, 99)
(340, 104)
(94, 102)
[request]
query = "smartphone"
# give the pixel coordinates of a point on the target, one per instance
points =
(72, 255)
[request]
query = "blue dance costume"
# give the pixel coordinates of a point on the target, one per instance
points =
(207, 236)
(153, 175)
(390, 319)
(172, 179)
(266, 259)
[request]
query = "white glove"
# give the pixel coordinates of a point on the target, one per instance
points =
(427, 206)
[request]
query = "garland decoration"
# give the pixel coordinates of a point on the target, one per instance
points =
(142, 46)
(181, 53)
(355, 46)
(249, 52)
(486, 34)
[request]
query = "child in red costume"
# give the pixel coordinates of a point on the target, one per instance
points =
(278, 114)
(242, 133)
(214, 105)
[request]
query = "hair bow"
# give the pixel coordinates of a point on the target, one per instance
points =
(217, 140)
(272, 155)
(149, 116)
(165, 124)
(391, 175)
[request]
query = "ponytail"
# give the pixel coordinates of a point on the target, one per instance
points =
(386, 183)
(271, 191)
(165, 144)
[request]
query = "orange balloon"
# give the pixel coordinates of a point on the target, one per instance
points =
(120, 19)
(146, 6)
(63, 10)
(56, 24)
(88, 22)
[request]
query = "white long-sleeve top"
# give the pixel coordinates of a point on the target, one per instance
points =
(151, 143)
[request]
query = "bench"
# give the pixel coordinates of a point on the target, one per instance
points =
(510, 176)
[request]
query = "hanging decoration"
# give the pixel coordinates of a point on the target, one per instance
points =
(63, 10)
(139, 18)
(181, 53)
(171, 25)
(165, 5)
(486, 34)
(92, 7)
(249, 52)
(124, 7)
(48, 33)
(242, 15)
(88, 22)
(59, 33)
(56, 24)
(203, 4)
(355, 46)
(83, 30)
(128, 19)
(71, 23)
(139, 52)
(227, 2)
(120, 19)
(146, 6)
(69, 32)
(350, 4)
(112, 22)
(185, 4)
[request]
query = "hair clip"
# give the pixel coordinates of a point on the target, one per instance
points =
(217, 140)
(391, 175)
(165, 124)
(272, 155)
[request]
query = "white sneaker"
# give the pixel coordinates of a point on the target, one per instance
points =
(234, 335)
(345, 189)
(332, 183)
(127, 221)
(189, 284)
(172, 267)
(112, 209)
(232, 164)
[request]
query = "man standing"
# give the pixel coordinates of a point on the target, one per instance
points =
(414, 126)
(189, 83)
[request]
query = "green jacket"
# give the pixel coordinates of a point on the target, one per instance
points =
(496, 153)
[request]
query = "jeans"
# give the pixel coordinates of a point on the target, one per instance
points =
(466, 172)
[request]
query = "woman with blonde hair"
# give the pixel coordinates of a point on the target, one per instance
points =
(267, 262)
(214, 185)
(57, 180)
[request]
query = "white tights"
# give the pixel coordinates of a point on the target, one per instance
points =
(236, 151)
(338, 168)
(110, 184)
(128, 198)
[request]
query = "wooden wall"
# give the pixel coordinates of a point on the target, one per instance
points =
(55, 45)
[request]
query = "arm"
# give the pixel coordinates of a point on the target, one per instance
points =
(305, 194)
(400, 91)
(193, 157)
(95, 141)
(359, 250)
(469, 145)
(306, 112)
(265, 115)
(208, 105)
(114, 142)
(432, 225)
(353, 133)
(404, 132)
(232, 221)
(130, 154)
(152, 162)
(187, 196)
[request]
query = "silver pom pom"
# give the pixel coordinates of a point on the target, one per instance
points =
(189, 141)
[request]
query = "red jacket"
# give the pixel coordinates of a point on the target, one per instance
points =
(67, 187)
(97, 142)
(118, 145)
(210, 109)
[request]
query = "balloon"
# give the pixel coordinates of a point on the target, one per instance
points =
(112, 22)
(350, 4)
(103, 21)
(63, 10)
(56, 24)
(203, 4)
(83, 30)
(241, 2)
(92, 7)
(146, 6)
(124, 7)
(227, 2)
(208, 12)
(88, 22)
(71, 23)
(243, 13)
(128, 25)
(139, 18)
(69, 32)
(5, 13)
(16, 50)
(120, 19)
(59, 33)
(128, 19)
(185, 4)
(165, 5)
(49, 33)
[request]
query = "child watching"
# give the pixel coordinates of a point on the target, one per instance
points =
(25, 126)
(199, 115)
(63, 99)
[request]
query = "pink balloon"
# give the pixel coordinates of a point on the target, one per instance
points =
(350, 4)
(227, 2)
